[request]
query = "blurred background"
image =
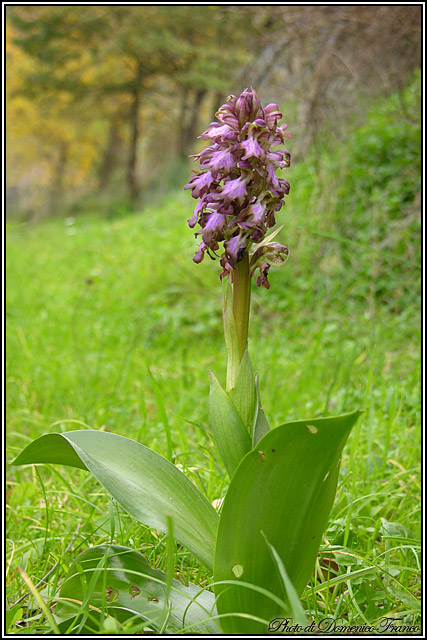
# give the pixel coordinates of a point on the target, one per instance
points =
(104, 103)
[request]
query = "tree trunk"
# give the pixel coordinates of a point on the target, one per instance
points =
(219, 99)
(182, 122)
(189, 120)
(57, 187)
(109, 161)
(132, 180)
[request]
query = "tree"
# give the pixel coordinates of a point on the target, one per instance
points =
(111, 58)
(48, 149)
(327, 57)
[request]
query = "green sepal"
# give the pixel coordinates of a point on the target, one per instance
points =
(231, 437)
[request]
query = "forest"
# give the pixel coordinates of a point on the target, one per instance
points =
(108, 102)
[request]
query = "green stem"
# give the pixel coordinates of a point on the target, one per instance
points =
(236, 305)
(241, 302)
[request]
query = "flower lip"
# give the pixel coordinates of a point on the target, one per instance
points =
(199, 183)
(233, 189)
(252, 148)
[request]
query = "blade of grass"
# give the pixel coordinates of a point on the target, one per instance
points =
(39, 601)
(294, 601)
(161, 407)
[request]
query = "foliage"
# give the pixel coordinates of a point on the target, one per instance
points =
(372, 179)
(121, 67)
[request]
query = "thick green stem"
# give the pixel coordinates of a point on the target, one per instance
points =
(241, 302)
(236, 305)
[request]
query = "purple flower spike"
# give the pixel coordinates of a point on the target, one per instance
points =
(238, 186)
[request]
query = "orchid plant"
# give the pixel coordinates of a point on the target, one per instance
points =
(260, 546)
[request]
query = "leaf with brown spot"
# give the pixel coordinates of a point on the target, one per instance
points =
(134, 591)
(111, 594)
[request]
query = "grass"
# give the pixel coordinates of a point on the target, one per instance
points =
(91, 302)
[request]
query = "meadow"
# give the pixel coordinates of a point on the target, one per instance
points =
(93, 302)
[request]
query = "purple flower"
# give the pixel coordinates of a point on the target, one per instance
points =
(252, 148)
(215, 131)
(233, 190)
(248, 107)
(234, 249)
(199, 184)
(194, 218)
(200, 253)
(222, 160)
(272, 114)
(264, 257)
(238, 186)
(253, 218)
(214, 228)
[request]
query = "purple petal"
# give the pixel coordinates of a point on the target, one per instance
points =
(193, 220)
(200, 253)
(227, 115)
(244, 164)
(227, 269)
(215, 130)
(285, 134)
(222, 160)
(234, 189)
(272, 114)
(252, 148)
(213, 229)
(235, 249)
(199, 184)
(252, 216)
(248, 106)
(273, 179)
(274, 157)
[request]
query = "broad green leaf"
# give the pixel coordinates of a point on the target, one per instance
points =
(51, 448)
(120, 582)
(260, 426)
(244, 394)
(231, 437)
(146, 485)
(284, 490)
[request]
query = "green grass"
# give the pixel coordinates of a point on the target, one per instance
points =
(90, 301)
